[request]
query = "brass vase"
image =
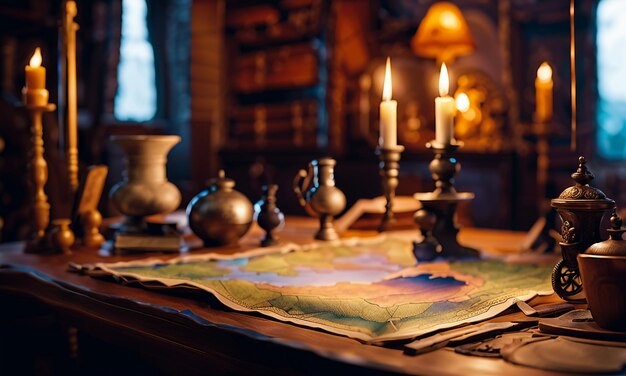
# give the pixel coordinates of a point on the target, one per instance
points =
(145, 189)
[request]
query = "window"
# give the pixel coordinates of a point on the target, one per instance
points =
(135, 99)
(611, 55)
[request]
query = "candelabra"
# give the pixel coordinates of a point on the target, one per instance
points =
(389, 165)
(38, 171)
(437, 218)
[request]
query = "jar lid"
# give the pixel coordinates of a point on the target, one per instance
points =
(221, 182)
(615, 245)
(581, 195)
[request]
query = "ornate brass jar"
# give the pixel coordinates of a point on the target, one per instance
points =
(581, 208)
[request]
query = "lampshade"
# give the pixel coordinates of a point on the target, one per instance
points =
(443, 34)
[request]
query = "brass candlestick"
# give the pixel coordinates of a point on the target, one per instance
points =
(437, 218)
(389, 165)
(38, 169)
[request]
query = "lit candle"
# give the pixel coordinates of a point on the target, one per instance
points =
(444, 110)
(388, 114)
(35, 93)
(543, 93)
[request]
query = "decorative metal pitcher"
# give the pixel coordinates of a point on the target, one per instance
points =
(317, 193)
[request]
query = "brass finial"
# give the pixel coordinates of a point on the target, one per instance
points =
(616, 220)
(616, 230)
(582, 175)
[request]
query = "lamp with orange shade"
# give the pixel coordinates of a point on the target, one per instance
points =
(443, 34)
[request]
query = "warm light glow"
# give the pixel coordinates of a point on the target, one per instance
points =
(444, 83)
(544, 73)
(449, 20)
(462, 102)
(443, 33)
(35, 61)
(387, 82)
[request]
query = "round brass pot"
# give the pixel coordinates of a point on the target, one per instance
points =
(604, 280)
(220, 215)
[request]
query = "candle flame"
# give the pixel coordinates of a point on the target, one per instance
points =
(444, 83)
(387, 82)
(462, 102)
(544, 73)
(35, 61)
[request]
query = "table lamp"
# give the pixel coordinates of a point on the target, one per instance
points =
(443, 34)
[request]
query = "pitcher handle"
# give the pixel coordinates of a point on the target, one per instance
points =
(300, 182)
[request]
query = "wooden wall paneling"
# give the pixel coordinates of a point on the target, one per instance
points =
(207, 87)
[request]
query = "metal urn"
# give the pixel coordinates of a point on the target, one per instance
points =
(220, 215)
(317, 193)
(581, 208)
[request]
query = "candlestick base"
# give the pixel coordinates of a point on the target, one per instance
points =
(437, 217)
(389, 166)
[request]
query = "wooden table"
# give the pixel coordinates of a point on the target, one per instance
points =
(191, 335)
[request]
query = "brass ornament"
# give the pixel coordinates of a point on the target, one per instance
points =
(91, 221)
(61, 236)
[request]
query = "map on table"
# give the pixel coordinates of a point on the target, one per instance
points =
(369, 289)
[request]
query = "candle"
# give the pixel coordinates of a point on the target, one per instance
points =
(388, 113)
(444, 110)
(35, 93)
(543, 93)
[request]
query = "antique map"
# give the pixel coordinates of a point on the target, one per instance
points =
(369, 289)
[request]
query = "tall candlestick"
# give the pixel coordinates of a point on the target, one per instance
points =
(388, 113)
(72, 126)
(35, 93)
(36, 101)
(543, 93)
(444, 110)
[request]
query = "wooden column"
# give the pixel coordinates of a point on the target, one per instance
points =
(207, 87)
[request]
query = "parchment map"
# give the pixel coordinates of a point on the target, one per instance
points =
(369, 289)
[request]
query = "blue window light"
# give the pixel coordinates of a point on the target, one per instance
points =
(135, 99)
(611, 65)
